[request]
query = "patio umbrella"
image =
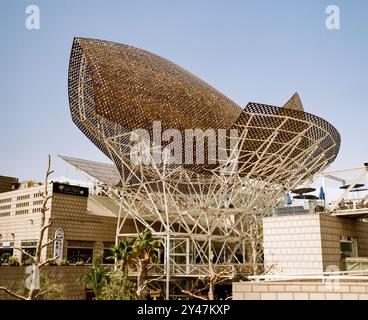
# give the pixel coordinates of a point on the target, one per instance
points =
(288, 199)
(321, 194)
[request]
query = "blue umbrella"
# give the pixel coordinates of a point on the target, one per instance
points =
(321, 194)
(288, 199)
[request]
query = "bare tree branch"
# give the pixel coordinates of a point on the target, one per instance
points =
(24, 252)
(47, 261)
(33, 292)
(42, 293)
(194, 295)
(210, 280)
(48, 243)
(13, 293)
(152, 280)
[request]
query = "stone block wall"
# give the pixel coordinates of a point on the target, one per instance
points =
(66, 277)
(290, 290)
(309, 243)
(293, 244)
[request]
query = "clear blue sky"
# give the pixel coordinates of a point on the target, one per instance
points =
(258, 51)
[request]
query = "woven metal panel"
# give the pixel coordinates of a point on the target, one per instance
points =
(133, 87)
(115, 88)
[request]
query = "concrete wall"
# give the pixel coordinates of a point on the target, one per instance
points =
(299, 291)
(64, 276)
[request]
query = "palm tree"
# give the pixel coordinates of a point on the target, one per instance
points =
(146, 250)
(95, 279)
(122, 253)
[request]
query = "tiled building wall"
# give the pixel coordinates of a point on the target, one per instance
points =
(292, 244)
(300, 291)
(70, 213)
(309, 243)
(65, 277)
(331, 230)
(361, 231)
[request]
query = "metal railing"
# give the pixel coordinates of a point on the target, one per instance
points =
(328, 275)
(189, 270)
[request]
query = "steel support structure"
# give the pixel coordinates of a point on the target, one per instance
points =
(201, 212)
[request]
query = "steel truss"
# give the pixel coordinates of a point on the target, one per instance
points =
(201, 213)
(204, 225)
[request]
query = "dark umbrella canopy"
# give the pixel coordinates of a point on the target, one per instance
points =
(358, 185)
(303, 190)
(288, 199)
(306, 197)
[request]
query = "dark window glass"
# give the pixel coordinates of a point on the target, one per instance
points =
(90, 295)
(346, 249)
(31, 251)
(5, 253)
(79, 254)
(106, 255)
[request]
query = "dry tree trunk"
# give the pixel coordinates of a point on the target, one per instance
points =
(211, 290)
(34, 291)
(142, 281)
(141, 277)
(211, 280)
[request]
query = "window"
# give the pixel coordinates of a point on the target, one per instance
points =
(107, 253)
(4, 214)
(21, 211)
(348, 247)
(107, 257)
(79, 254)
(80, 251)
(5, 253)
(22, 204)
(29, 250)
(27, 196)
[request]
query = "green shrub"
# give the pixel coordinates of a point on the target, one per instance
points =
(28, 262)
(52, 262)
(119, 287)
(96, 279)
(4, 258)
(13, 261)
(64, 262)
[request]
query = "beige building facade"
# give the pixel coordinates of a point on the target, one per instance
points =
(85, 222)
(312, 243)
